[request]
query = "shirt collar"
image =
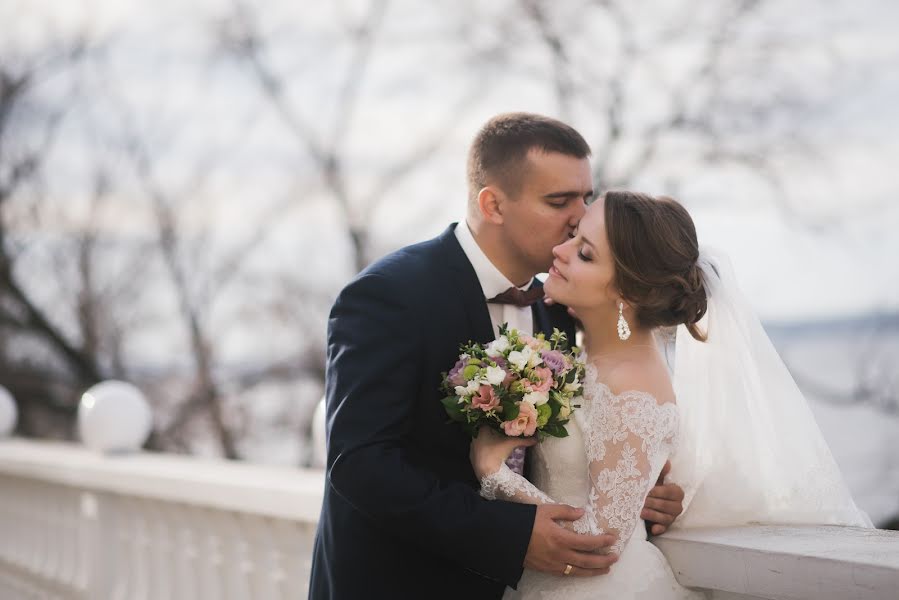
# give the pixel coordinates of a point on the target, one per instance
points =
(493, 282)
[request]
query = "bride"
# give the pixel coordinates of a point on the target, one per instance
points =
(741, 439)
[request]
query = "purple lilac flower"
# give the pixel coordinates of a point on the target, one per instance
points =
(455, 375)
(501, 362)
(555, 360)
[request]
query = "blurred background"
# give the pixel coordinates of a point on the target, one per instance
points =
(186, 186)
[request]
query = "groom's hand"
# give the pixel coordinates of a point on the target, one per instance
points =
(664, 504)
(553, 548)
(549, 302)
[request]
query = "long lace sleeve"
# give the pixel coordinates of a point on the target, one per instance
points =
(506, 484)
(627, 438)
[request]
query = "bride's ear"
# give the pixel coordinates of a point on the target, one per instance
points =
(490, 205)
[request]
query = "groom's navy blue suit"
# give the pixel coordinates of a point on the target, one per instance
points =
(401, 516)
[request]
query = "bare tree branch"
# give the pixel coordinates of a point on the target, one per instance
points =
(560, 64)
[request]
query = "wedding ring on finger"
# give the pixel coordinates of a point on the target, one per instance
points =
(567, 570)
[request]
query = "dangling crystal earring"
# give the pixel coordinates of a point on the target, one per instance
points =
(624, 330)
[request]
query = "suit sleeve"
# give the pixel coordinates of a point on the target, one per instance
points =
(375, 366)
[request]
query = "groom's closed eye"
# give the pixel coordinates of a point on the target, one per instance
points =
(563, 199)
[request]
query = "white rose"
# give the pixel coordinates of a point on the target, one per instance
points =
(497, 346)
(519, 359)
(564, 409)
(495, 375)
(536, 398)
(468, 390)
(534, 359)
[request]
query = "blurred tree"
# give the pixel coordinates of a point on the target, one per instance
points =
(163, 195)
(40, 361)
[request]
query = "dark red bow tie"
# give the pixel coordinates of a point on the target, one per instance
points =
(515, 296)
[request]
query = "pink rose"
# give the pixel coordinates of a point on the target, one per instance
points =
(545, 383)
(485, 399)
(532, 343)
(525, 423)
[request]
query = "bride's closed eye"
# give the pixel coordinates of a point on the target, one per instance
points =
(582, 256)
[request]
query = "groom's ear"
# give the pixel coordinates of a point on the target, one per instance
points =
(490, 205)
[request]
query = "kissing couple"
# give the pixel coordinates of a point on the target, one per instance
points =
(415, 508)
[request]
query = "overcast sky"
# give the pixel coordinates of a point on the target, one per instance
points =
(831, 262)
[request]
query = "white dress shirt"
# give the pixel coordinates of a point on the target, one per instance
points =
(493, 282)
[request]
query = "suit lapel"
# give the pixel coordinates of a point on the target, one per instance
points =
(540, 313)
(547, 318)
(465, 281)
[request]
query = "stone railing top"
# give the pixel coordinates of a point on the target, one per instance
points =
(785, 561)
(281, 492)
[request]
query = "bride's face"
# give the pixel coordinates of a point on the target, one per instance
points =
(582, 275)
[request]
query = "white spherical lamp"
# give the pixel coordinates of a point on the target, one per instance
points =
(114, 416)
(9, 414)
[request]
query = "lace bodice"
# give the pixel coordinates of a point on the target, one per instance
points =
(617, 446)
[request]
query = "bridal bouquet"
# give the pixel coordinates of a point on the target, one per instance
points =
(517, 384)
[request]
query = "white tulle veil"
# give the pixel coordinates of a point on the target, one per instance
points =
(749, 449)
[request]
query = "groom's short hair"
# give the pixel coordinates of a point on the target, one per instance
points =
(499, 150)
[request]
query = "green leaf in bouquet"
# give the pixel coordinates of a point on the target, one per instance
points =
(555, 430)
(510, 410)
(454, 409)
(559, 340)
(554, 406)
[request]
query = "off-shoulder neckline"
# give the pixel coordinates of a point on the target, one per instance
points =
(591, 372)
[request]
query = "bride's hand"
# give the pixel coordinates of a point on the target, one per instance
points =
(490, 449)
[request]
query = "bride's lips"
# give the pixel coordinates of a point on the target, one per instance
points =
(555, 272)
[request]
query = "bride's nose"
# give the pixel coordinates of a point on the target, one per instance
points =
(559, 251)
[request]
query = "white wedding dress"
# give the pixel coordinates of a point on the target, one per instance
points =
(615, 450)
(742, 441)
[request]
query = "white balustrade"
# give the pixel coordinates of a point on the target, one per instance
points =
(77, 524)
(786, 562)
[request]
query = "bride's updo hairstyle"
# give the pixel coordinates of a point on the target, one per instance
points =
(653, 243)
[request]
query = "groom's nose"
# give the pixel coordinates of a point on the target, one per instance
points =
(576, 217)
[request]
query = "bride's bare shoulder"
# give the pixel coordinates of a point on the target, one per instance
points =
(650, 377)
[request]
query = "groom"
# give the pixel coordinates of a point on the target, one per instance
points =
(401, 516)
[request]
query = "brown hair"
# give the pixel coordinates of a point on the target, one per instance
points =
(500, 148)
(653, 243)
